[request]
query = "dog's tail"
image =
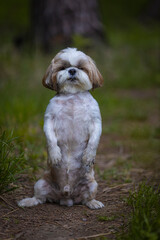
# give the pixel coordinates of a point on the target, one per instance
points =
(66, 190)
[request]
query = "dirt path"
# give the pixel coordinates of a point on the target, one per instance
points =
(51, 221)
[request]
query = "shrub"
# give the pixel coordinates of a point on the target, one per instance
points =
(145, 217)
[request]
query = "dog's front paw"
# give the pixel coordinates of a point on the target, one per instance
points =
(55, 156)
(29, 202)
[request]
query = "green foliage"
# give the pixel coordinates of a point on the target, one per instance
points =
(15, 13)
(145, 217)
(121, 12)
(105, 218)
(12, 162)
(118, 173)
(81, 42)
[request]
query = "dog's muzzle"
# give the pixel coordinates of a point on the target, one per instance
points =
(72, 74)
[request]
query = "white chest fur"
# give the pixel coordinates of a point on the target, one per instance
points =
(70, 119)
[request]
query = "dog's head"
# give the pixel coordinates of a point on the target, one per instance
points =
(72, 71)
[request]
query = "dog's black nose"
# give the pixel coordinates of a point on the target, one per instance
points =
(72, 71)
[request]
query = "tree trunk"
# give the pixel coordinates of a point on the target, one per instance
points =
(151, 11)
(58, 20)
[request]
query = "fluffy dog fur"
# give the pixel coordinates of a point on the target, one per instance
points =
(72, 126)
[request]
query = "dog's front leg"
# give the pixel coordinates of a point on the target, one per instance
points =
(89, 155)
(54, 151)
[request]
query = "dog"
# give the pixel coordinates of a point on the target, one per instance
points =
(72, 126)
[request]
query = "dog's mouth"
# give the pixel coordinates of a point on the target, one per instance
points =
(72, 79)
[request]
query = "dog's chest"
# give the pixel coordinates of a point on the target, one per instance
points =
(71, 116)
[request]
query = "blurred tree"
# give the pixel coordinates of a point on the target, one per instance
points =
(58, 20)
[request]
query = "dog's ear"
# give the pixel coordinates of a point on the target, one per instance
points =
(94, 74)
(49, 79)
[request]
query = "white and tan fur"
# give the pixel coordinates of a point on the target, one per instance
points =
(72, 126)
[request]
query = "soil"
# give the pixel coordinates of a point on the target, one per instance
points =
(51, 221)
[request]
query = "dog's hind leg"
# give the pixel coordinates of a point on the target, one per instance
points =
(41, 191)
(89, 196)
(94, 204)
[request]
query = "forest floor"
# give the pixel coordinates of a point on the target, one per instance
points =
(51, 221)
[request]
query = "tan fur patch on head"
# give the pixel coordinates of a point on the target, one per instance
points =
(94, 74)
(50, 80)
(92, 71)
(47, 79)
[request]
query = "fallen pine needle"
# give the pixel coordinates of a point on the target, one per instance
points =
(117, 187)
(4, 200)
(93, 236)
(10, 212)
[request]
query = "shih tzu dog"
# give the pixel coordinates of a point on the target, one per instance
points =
(72, 126)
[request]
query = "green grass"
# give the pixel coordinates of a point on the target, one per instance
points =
(144, 222)
(128, 100)
(119, 173)
(105, 218)
(12, 162)
(24, 100)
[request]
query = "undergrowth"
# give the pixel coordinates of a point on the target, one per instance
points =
(12, 162)
(145, 217)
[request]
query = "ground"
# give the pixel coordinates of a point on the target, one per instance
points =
(51, 221)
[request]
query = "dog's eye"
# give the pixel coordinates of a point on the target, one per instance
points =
(80, 68)
(62, 68)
